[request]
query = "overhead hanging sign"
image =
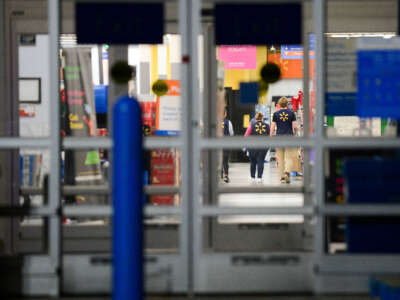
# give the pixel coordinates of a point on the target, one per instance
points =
(341, 77)
(378, 62)
(297, 51)
(258, 24)
(119, 23)
(291, 52)
(238, 57)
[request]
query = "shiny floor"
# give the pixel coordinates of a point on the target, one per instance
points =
(239, 174)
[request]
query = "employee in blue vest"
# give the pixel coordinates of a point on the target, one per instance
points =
(284, 123)
(227, 130)
(257, 127)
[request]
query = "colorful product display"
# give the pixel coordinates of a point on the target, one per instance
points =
(162, 172)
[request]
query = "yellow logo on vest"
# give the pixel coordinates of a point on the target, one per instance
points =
(260, 127)
(283, 116)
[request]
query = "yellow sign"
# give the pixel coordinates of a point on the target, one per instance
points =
(246, 121)
(74, 125)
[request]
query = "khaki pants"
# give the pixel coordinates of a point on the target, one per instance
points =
(286, 160)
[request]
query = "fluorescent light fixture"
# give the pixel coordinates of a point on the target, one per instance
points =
(385, 35)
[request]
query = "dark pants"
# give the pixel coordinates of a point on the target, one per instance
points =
(257, 158)
(225, 163)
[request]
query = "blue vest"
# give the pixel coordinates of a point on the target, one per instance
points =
(259, 128)
(225, 127)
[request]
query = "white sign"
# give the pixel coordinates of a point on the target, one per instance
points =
(378, 44)
(341, 66)
(170, 113)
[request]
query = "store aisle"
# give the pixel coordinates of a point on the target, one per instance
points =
(239, 174)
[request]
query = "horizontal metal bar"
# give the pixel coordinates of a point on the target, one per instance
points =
(85, 189)
(262, 189)
(329, 210)
(360, 210)
(162, 210)
(9, 211)
(42, 211)
(101, 190)
(161, 189)
(236, 142)
(87, 211)
(107, 211)
(240, 142)
(31, 190)
(360, 143)
(213, 211)
(359, 264)
(19, 142)
(86, 142)
(70, 190)
(122, 1)
(162, 142)
(256, 1)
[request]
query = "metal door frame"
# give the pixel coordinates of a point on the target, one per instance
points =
(191, 268)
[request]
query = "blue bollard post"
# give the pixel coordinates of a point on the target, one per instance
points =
(128, 202)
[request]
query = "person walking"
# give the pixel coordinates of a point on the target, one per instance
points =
(284, 124)
(227, 130)
(257, 156)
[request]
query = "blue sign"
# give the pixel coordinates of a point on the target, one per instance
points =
(340, 104)
(378, 83)
(100, 98)
(291, 52)
(167, 132)
(249, 92)
(296, 51)
(119, 23)
(258, 24)
(312, 41)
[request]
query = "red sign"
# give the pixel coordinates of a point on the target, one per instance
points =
(162, 172)
(148, 113)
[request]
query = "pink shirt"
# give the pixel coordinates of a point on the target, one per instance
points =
(248, 131)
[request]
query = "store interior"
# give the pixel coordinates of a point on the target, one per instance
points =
(86, 109)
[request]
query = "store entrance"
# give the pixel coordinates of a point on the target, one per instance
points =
(237, 244)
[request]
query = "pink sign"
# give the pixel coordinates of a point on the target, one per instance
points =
(238, 57)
